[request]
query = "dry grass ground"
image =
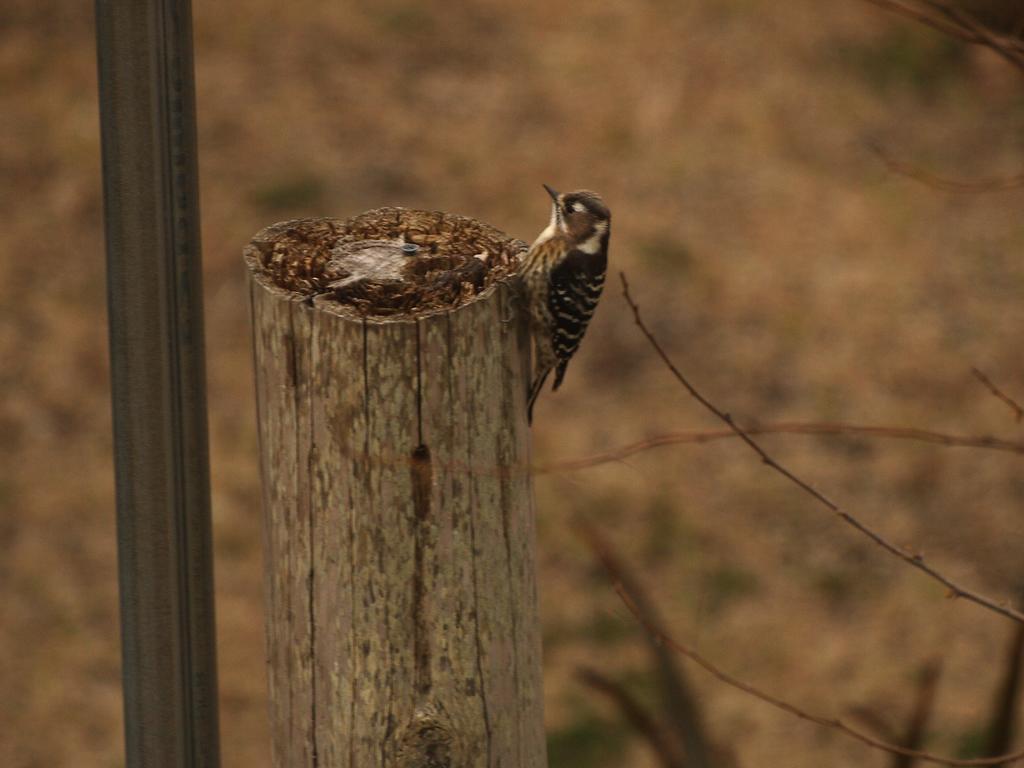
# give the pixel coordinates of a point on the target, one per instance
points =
(791, 275)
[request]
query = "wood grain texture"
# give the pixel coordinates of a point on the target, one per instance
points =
(402, 623)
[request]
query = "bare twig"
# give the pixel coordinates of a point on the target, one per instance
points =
(1004, 712)
(995, 184)
(874, 721)
(1018, 412)
(684, 717)
(913, 559)
(916, 13)
(921, 714)
(607, 559)
(1001, 721)
(828, 722)
(1008, 47)
(959, 24)
(986, 442)
(789, 428)
(636, 715)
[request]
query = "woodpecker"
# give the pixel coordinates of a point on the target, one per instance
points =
(563, 274)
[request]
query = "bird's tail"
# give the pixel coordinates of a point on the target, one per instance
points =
(559, 374)
(535, 388)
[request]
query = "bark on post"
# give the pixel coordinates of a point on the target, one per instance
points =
(402, 625)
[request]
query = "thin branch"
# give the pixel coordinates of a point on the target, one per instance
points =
(775, 428)
(957, 23)
(603, 552)
(683, 713)
(635, 714)
(870, 718)
(995, 184)
(915, 560)
(792, 709)
(519, 469)
(921, 714)
(923, 17)
(917, 723)
(1018, 412)
(1008, 47)
(1004, 710)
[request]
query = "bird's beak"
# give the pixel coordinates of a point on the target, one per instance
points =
(553, 193)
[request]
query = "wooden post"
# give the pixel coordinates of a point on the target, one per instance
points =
(402, 623)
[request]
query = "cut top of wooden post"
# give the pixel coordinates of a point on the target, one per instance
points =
(391, 381)
(396, 263)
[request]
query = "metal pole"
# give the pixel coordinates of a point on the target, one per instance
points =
(147, 115)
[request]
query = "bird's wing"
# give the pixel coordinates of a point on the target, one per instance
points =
(576, 286)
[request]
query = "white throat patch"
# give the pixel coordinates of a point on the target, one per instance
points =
(592, 244)
(552, 228)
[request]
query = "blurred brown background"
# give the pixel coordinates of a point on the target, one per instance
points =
(790, 273)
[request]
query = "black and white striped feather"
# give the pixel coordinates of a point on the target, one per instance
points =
(563, 275)
(575, 288)
(564, 285)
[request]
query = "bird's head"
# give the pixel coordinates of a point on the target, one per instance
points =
(580, 216)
